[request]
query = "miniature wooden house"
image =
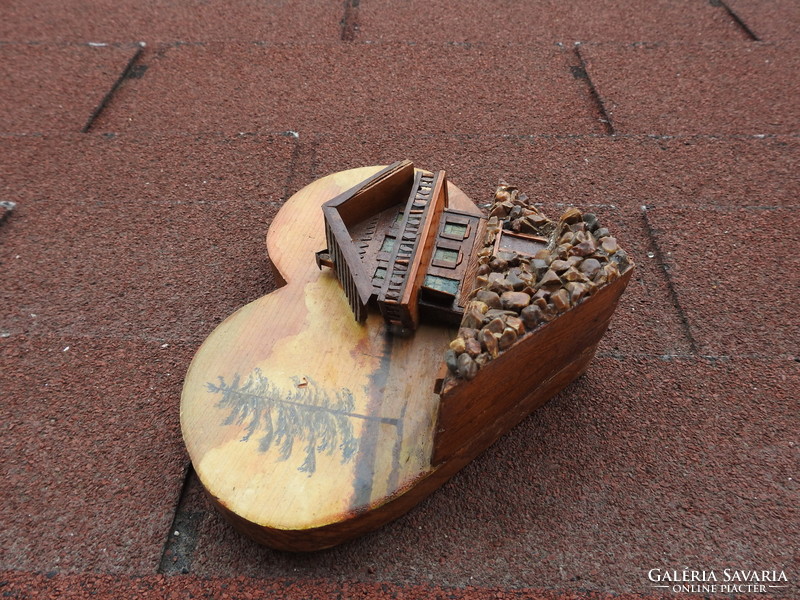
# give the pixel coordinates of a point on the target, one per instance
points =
(394, 243)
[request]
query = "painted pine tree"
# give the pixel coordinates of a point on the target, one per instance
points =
(307, 414)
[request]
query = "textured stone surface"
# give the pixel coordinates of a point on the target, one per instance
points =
(732, 271)
(362, 89)
(92, 456)
(681, 89)
(655, 458)
(591, 171)
(91, 586)
(544, 21)
(515, 300)
(158, 238)
(170, 21)
(56, 87)
(544, 275)
(769, 20)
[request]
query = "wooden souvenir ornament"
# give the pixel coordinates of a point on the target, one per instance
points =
(411, 332)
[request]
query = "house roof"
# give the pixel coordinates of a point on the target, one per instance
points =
(387, 187)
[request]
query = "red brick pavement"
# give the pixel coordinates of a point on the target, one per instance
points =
(145, 178)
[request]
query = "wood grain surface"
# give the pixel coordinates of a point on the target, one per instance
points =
(351, 409)
(307, 428)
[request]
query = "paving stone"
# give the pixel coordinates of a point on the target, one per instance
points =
(733, 270)
(769, 20)
(170, 21)
(641, 462)
(157, 238)
(623, 171)
(56, 88)
(544, 21)
(717, 89)
(359, 89)
(92, 456)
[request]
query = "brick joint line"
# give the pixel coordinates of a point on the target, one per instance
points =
(176, 555)
(314, 158)
(673, 293)
(294, 163)
(126, 72)
(349, 20)
(582, 72)
(736, 19)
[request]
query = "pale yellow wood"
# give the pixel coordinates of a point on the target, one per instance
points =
(301, 335)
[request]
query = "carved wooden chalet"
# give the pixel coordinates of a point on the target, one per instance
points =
(395, 244)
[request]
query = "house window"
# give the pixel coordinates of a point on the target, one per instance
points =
(456, 230)
(444, 285)
(445, 257)
(380, 273)
(388, 244)
(455, 227)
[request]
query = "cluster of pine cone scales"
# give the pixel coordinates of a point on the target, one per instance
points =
(516, 293)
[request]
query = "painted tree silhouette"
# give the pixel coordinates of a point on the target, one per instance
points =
(307, 414)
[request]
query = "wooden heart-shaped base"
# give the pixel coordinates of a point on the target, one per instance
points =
(307, 428)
